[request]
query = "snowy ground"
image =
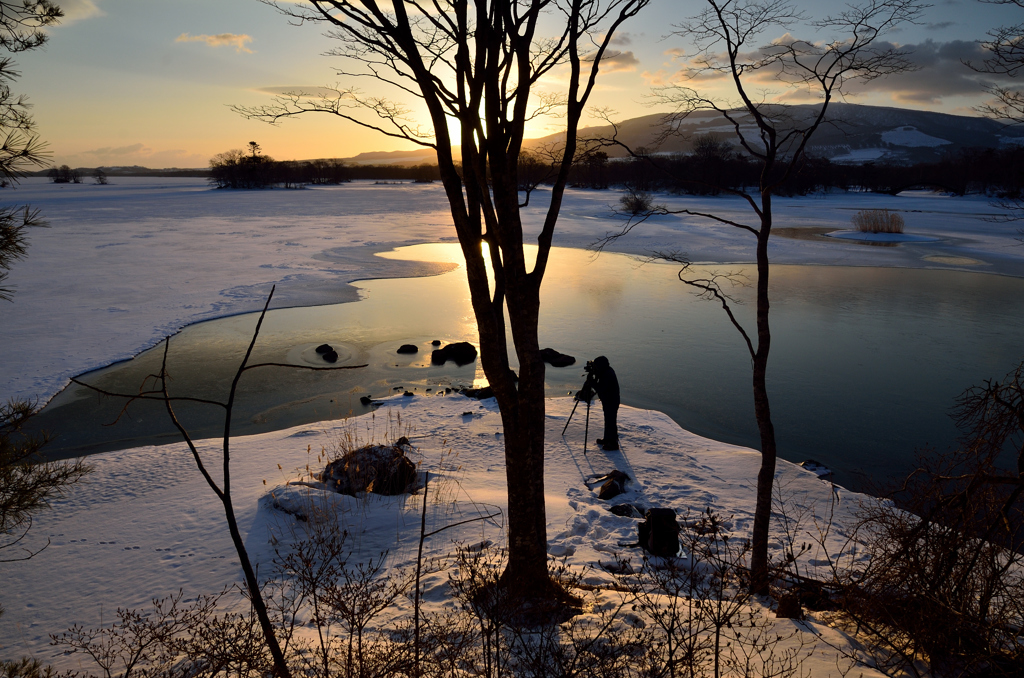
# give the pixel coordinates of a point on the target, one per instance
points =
(145, 524)
(123, 265)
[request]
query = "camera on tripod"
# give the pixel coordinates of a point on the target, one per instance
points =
(587, 393)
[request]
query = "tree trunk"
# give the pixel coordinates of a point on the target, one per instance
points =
(763, 415)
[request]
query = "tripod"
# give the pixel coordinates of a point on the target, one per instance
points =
(587, 394)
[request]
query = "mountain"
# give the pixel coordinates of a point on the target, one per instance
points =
(853, 133)
(417, 156)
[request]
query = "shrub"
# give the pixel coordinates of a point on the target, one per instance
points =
(64, 175)
(943, 594)
(636, 202)
(878, 221)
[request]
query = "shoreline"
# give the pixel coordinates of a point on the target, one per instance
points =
(144, 524)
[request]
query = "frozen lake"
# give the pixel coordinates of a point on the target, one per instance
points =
(867, 337)
(866, 362)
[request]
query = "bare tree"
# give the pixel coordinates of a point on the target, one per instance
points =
(475, 64)
(1006, 57)
(775, 137)
(1005, 46)
(157, 390)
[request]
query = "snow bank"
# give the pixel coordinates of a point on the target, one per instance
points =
(145, 524)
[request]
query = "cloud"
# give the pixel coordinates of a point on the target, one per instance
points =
(619, 62)
(119, 150)
(236, 40)
(135, 154)
(939, 26)
(941, 72)
(622, 39)
(77, 10)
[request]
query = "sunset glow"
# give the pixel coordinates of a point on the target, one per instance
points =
(123, 82)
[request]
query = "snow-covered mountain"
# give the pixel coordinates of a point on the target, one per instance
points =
(853, 133)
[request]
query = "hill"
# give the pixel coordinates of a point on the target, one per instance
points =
(853, 133)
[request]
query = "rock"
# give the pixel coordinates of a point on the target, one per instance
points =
(556, 359)
(614, 485)
(435, 342)
(478, 393)
(331, 356)
(366, 400)
(408, 394)
(462, 353)
(324, 348)
(407, 348)
(627, 511)
(380, 469)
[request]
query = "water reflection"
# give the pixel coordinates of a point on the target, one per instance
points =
(866, 362)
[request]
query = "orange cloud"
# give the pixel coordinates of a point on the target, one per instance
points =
(618, 62)
(236, 40)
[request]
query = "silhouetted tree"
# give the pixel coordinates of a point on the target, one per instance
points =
(774, 140)
(236, 169)
(64, 175)
(27, 483)
(21, 25)
(1005, 47)
(475, 63)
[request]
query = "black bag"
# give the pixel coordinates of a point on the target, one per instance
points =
(659, 533)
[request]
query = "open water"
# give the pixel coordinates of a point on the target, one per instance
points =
(865, 365)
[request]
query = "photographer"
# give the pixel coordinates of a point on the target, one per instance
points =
(601, 379)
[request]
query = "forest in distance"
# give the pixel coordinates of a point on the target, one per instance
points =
(996, 172)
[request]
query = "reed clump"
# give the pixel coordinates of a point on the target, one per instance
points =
(878, 221)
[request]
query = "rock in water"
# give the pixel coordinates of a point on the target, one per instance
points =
(331, 356)
(462, 352)
(481, 393)
(324, 348)
(556, 359)
(407, 348)
(381, 469)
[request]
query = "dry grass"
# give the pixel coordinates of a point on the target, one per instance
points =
(878, 221)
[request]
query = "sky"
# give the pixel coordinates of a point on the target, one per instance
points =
(151, 82)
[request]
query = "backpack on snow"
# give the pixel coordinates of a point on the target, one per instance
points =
(659, 533)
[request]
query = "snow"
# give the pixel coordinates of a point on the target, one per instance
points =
(860, 155)
(126, 264)
(123, 265)
(145, 524)
(911, 136)
(881, 237)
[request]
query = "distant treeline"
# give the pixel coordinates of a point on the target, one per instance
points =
(708, 171)
(132, 171)
(712, 168)
(241, 169)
